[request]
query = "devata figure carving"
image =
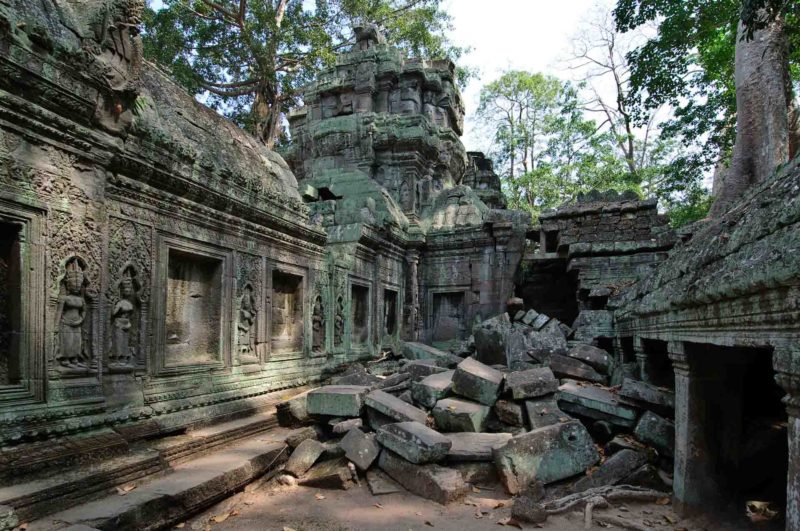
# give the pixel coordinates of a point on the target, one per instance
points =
(246, 322)
(71, 348)
(338, 323)
(123, 317)
(318, 326)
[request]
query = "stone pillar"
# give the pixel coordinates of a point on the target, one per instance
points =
(411, 308)
(642, 360)
(694, 484)
(786, 362)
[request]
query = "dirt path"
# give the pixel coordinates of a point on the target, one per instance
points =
(274, 507)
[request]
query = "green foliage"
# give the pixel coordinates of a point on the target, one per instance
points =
(249, 58)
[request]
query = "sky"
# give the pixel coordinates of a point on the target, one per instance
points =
(531, 35)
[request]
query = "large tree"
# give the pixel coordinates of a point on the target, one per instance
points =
(727, 67)
(250, 58)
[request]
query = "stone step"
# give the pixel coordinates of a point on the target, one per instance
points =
(82, 483)
(189, 488)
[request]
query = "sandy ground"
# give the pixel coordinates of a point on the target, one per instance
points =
(281, 508)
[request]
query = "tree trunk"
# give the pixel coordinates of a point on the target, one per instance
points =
(266, 114)
(763, 98)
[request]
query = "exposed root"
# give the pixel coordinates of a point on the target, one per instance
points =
(605, 495)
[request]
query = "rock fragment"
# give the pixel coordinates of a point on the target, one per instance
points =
(394, 408)
(379, 483)
(477, 381)
(510, 413)
(455, 415)
(440, 484)
(330, 474)
(343, 426)
(414, 442)
(656, 431)
(303, 457)
(360, 448)
(531, 383)
(337, 400)
(432, 388)
(613, 470)
(566, 367)
(596, 358)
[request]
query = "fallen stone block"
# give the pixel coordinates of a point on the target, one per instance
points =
(648, 477)
(622, 442)
(332, 449)
(420, 351)
(293, 412)
(434, 482)
(477, 381)
(299, 435)
(545, 455)
(339, 426)
(330, 474)
(8, 519)
(432, 388)
(393, 382)
(531, 383)
(414, 442)
(376, 419)
(406, 397)
(468, 446)
(529, 317)
(419, 369)
(645, 393)
(596, 403)
(394, 408)
(656, 431)
(596, 358)
(510, 412)
(540, 321)
(476, 472)
(566, 367)
(337, 400)
(529, 510)
(543, 412)
(455, 415)
(613, 470)
(591, 324)
(490, 339)
(360, 448)
(356, 375)
(380, 483)
(303, 457)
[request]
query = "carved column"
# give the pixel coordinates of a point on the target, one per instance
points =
(411, 309)
(642, 359)
(694, 480)
(786, 362)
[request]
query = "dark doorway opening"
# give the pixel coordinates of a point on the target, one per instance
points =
(10, 304)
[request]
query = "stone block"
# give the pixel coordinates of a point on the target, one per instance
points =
(531, 383)
(380, 483)
(419, 369)
(528, 509)
(431, 481)
(566, 367)
(529, 317)
(330, 474)
(303, 457)
(339, 426)
(8, 519)
(394, 408)
(376, 419)
(546, 455)
(299, 435)
(544, 412)
(613, 470)
(414, 442)
(657, 432)
(597, 403)
(645, 393)
(432, 388)
(476, 472)
(468, 446)
(510, 413)
(540, 321)
(455, 415)
(596, 358)
(337, 400)
(356, 374)
(473, 379)
(293, 412)
(648, 477)
(420, 351)
(360, 448)
(490, 339)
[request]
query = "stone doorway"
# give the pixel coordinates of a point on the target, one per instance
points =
(10, 304)
(389, 312)
(359, 300)
(448, 316)
(735, 433)
(287, 313)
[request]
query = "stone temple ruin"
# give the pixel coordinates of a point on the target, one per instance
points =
(167, 283)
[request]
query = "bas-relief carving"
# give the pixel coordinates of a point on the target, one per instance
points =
(125, 323)
(249, 291)
(318, 326)
(73, 355)
(245, 325)
(338, 322)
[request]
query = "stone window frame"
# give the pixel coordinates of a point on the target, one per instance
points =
(429, 296)
(386, 286)
(298, 271)
(165, 243)
(367, 344)
(33, 363)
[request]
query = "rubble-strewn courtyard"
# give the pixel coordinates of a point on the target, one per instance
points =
(350, 326)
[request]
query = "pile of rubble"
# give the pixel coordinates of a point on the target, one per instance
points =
(519, 403)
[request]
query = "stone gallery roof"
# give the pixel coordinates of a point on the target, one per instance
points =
(753, 248)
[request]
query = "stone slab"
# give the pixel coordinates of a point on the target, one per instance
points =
(380, 483)
(337, 400)
(510, 413)
(431, 389)
(394, 408)
(476, 472)
(293, 412)
(531, 383)
(456, 415)
(360, 448)
(646, 393)
(468, 446)
(598, 403)
(330, 474)
(343, 426)
(477, 381)
(421, 351)
(414, 442)
(296, 437)
(544, 411)
(613, 470)
(303, 457)
(595, 357)
(434, 482)
(419, 369)
(566, 367)
(545, 455)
